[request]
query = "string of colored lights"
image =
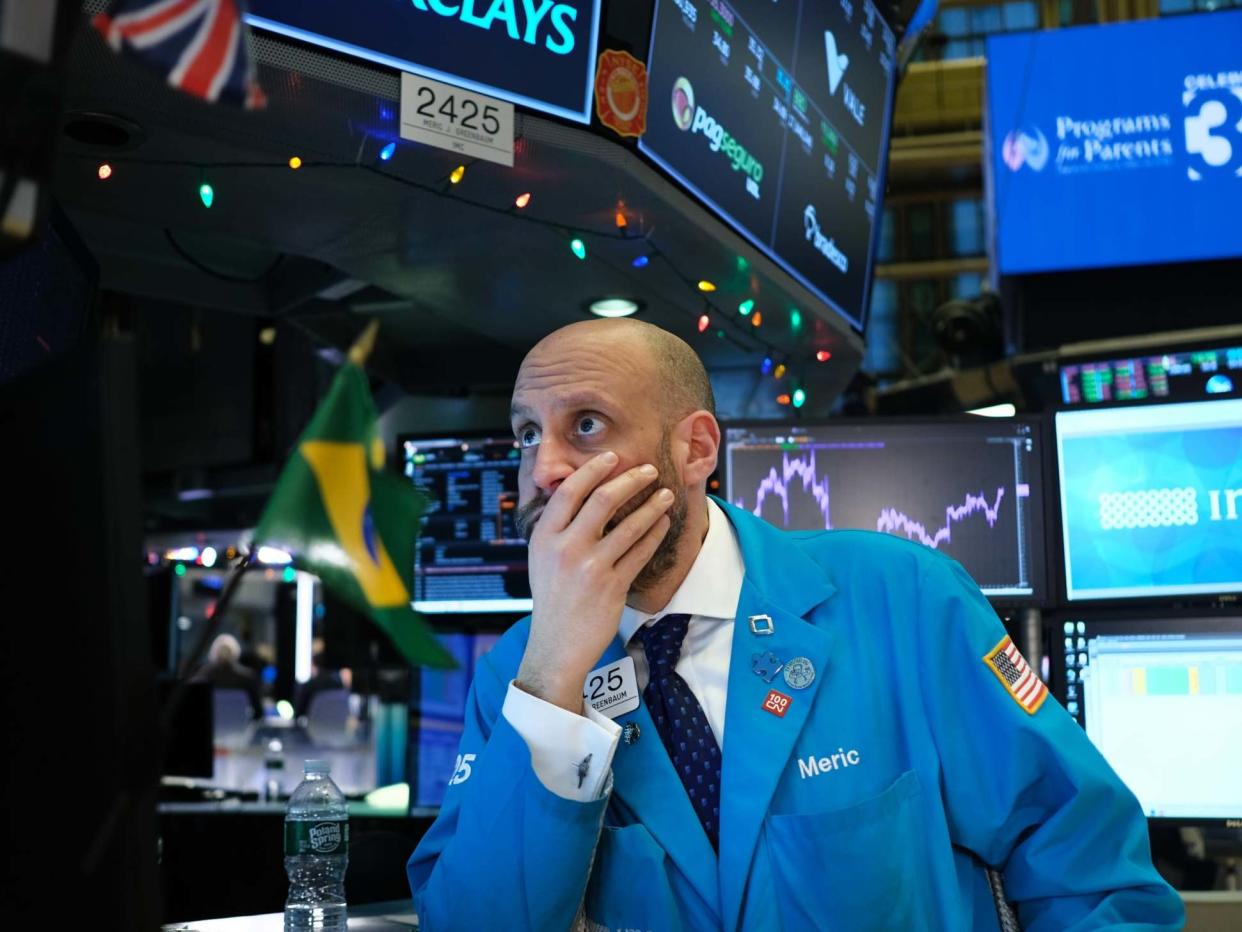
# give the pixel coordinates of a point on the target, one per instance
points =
(745, 324)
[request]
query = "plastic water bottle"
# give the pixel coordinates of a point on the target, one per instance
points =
(316, 852)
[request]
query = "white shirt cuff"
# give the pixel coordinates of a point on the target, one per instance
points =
(570, 754)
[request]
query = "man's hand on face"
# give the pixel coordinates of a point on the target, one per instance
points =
(579, 576)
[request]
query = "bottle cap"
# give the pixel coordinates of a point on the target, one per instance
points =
(318, 766)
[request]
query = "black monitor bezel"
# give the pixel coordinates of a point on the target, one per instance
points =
(1139, 620)
(1043, 595)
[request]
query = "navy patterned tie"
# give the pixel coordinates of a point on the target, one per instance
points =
(680, 720)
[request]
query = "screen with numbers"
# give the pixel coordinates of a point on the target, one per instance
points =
(775, 113)
(470, 556)
(1116, 145)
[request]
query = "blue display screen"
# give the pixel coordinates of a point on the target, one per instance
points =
(437, 718)
(1116, 145)
(1151, 500)
(775, 113)
(536, 53)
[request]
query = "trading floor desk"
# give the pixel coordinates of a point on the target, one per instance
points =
(226, 858)
(394, 916)
(1205, 912)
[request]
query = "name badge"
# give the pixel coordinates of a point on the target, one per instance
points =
(612, 690)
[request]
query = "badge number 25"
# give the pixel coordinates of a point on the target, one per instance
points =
(603, 682)
(461, 770)
(464, 112)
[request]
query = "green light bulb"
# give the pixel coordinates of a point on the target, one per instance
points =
(206, 194)
(578, 248)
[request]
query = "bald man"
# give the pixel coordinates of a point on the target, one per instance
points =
(709, 723)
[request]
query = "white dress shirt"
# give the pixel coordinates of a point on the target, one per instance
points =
(559, 739)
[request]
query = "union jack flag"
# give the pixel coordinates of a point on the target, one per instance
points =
(1017, 677)
(199, 44)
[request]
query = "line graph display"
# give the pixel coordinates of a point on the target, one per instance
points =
(967, 489)
(778, 483)
(893, 521)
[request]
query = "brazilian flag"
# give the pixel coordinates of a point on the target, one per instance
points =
(347, 520)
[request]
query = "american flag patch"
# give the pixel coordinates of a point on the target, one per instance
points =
(1006, 661)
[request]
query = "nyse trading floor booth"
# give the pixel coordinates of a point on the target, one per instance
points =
(473, 183)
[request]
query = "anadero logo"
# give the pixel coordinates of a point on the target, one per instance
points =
(824, 245)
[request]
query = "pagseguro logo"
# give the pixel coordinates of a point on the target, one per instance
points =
(689, 116)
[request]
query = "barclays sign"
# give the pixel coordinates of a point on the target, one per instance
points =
(534, 53)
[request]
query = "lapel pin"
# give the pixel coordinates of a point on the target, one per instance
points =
(777, 703)
(765, 666)
(630, 732)
(799, 673)
(761, 624)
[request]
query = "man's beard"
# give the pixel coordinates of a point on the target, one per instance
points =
(665, 556)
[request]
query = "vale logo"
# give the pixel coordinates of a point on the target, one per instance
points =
(837, 63)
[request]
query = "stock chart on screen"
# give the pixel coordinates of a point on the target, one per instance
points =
(969, 489)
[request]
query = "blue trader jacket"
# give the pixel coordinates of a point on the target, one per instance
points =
(874, 802)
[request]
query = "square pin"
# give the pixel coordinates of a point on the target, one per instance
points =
(761, 624)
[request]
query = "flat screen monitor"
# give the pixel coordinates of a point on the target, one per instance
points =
(776, 116)
(1186, 375)
(1161, 697)
(1151, 500)
(437, 718)
(968, 488)
(1116, 145)
(470, 557)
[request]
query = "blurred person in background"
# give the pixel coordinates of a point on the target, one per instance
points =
(223, 670)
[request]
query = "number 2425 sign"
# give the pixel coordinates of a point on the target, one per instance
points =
(451, 118)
